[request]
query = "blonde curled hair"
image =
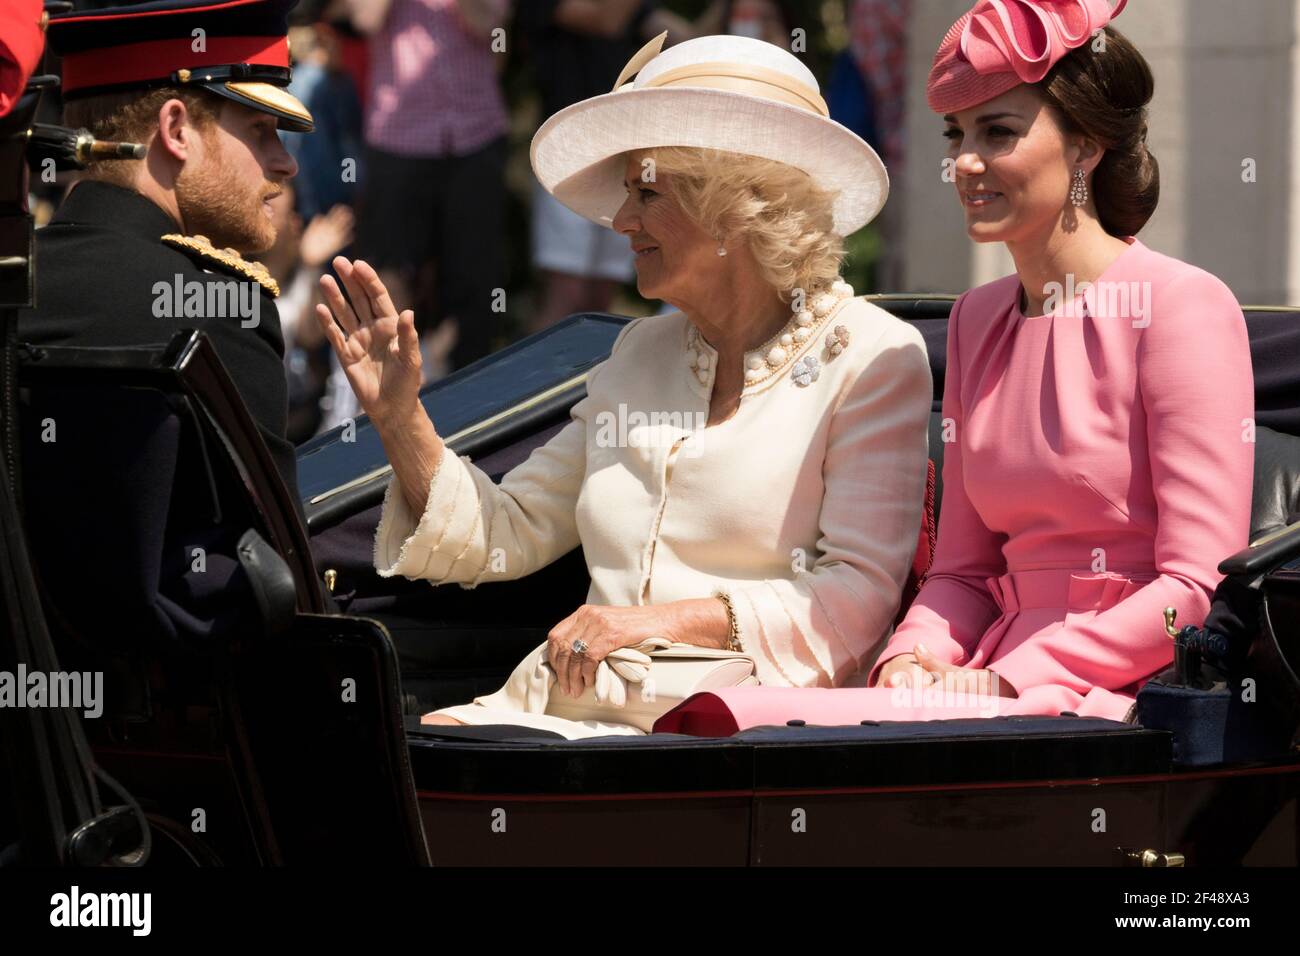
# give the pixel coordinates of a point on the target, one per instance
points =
(785, 218)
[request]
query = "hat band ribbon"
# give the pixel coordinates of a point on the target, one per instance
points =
(743, 78)
(133, 63)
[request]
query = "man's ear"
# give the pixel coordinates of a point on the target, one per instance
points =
(176, 131)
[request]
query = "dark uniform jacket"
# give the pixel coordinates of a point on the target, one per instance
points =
(132, 538)
(98, 264)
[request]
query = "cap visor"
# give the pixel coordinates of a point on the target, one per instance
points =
(269, 98)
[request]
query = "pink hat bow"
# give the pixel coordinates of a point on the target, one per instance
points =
(1000, 44)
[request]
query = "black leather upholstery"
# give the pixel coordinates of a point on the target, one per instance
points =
(271, 581)
(1275, 501)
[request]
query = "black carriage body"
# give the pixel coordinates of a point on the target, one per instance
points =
(272, 728)
(1057, 790)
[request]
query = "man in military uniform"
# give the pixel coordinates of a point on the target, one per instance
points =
(142, 248)
(139, 249)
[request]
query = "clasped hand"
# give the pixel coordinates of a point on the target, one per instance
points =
(922, 668)
(603, 629)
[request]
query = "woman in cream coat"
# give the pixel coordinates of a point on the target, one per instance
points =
(745, 472)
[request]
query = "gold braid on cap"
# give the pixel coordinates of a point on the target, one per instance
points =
(226, 257)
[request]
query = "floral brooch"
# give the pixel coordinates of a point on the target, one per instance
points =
(805, 371)
(837, 340)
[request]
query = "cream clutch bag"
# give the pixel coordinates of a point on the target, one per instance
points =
(638, 685)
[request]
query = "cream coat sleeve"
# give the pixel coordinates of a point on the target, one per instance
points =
(816, 629)
(474, 530)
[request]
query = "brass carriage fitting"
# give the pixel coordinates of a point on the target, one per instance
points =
(1170, 614)
(1150, 858)
(331, 578)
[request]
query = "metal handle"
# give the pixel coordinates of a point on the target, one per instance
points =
(1170, 614)
(1155, 859)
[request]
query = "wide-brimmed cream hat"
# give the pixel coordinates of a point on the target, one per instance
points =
(717, 92)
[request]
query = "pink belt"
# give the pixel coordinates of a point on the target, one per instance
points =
(1063, 588)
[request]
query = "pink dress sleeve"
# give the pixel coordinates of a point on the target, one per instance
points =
(954, 606)
(1196, 387)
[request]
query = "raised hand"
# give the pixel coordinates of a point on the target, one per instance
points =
(326, 234)
(378, 348)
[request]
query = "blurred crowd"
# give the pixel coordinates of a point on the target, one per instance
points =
(424, 110)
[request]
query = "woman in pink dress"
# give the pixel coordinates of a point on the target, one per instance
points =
(1098, 405)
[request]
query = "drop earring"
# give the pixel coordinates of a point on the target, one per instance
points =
(1079, 188)
(722, 250)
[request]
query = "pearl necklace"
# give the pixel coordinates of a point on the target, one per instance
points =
(772, 356)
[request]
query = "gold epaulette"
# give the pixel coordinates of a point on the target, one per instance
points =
(226, 257)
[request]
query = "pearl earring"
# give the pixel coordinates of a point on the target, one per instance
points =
(722, 250)
(1079, 188)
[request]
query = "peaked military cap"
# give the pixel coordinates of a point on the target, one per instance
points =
(238, 49)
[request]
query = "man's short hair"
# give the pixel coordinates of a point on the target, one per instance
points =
(131, 116)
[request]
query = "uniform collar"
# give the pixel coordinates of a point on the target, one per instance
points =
(93, 202)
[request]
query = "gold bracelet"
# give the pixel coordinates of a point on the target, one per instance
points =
(733, 629)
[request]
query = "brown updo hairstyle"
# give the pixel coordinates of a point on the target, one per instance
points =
(1104, 95)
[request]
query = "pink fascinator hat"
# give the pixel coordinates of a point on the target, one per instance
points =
(1000, 44)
